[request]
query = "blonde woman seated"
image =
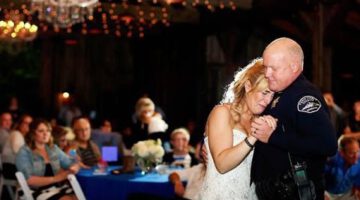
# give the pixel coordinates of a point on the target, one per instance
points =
(228, 141)
(44, 165)
(180, 155)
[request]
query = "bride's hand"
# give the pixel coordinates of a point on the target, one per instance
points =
(271, 121)
(263, 127)
(204, 154)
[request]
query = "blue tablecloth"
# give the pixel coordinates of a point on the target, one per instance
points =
(118, 187)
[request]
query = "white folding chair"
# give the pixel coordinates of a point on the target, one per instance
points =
(8, 183)
(76, 187)
(24, 186)
(28, 193)
(9, 186)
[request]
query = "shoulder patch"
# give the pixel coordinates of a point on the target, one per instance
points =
(308, 104)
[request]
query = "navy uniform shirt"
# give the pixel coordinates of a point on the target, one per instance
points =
(304, 129)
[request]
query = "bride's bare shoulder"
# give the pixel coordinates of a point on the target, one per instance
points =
(220, 110)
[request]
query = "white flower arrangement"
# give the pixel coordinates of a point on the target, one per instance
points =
(148, 151)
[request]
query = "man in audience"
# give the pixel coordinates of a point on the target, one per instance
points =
(353, 127)
(337, 115)
(5, 126)
(87, 150)
(180, 156)
(342, 172)
(104, 136)
(106, 126)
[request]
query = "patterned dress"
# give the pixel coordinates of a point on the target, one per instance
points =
(234, 184)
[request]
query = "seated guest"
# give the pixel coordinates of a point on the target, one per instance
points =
(86, 149)
(104, 136)
(59, 134)
(12, 145)
(352, 128)
(5, 126)
(44, 165)
(342, 172)
(180, 155)
(193, 176)
(337, 115)
(128, 139)
(106, 126)
(14, 109)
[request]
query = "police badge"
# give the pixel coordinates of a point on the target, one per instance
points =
(274, 102)
(308, 104)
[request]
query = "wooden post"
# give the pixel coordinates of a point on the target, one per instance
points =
(321, 60)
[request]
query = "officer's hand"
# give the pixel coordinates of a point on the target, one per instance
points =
(204, 154)
(262, 127)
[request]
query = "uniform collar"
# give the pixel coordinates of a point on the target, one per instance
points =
(299, 79)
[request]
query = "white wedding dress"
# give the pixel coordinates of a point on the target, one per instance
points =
(234, 184)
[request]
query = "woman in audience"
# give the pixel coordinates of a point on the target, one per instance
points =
(44, 165)
(59, 134)
(180, 155)
(13, 144)
(150, 123)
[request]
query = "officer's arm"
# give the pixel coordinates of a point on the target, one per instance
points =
(312, 134)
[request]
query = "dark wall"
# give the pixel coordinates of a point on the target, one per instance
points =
(108, 74)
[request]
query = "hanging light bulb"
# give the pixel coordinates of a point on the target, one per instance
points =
(64, 13)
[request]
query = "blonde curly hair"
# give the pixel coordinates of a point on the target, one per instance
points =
(144, 103)
(235, 93)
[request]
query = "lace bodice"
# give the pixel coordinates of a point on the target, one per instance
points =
(234, 184)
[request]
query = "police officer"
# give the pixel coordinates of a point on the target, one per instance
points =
(304, 136)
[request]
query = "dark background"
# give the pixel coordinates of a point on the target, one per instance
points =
(175, 65)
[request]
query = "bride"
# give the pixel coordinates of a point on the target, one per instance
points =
(228, 142)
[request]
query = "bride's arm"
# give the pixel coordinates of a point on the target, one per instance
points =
(220, 136)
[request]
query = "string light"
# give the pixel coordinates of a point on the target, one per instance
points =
(17, 31)
(116, 18)
(14, 29)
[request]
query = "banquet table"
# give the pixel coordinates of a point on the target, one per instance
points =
(117, 187)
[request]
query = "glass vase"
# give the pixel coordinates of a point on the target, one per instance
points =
(145, 165)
